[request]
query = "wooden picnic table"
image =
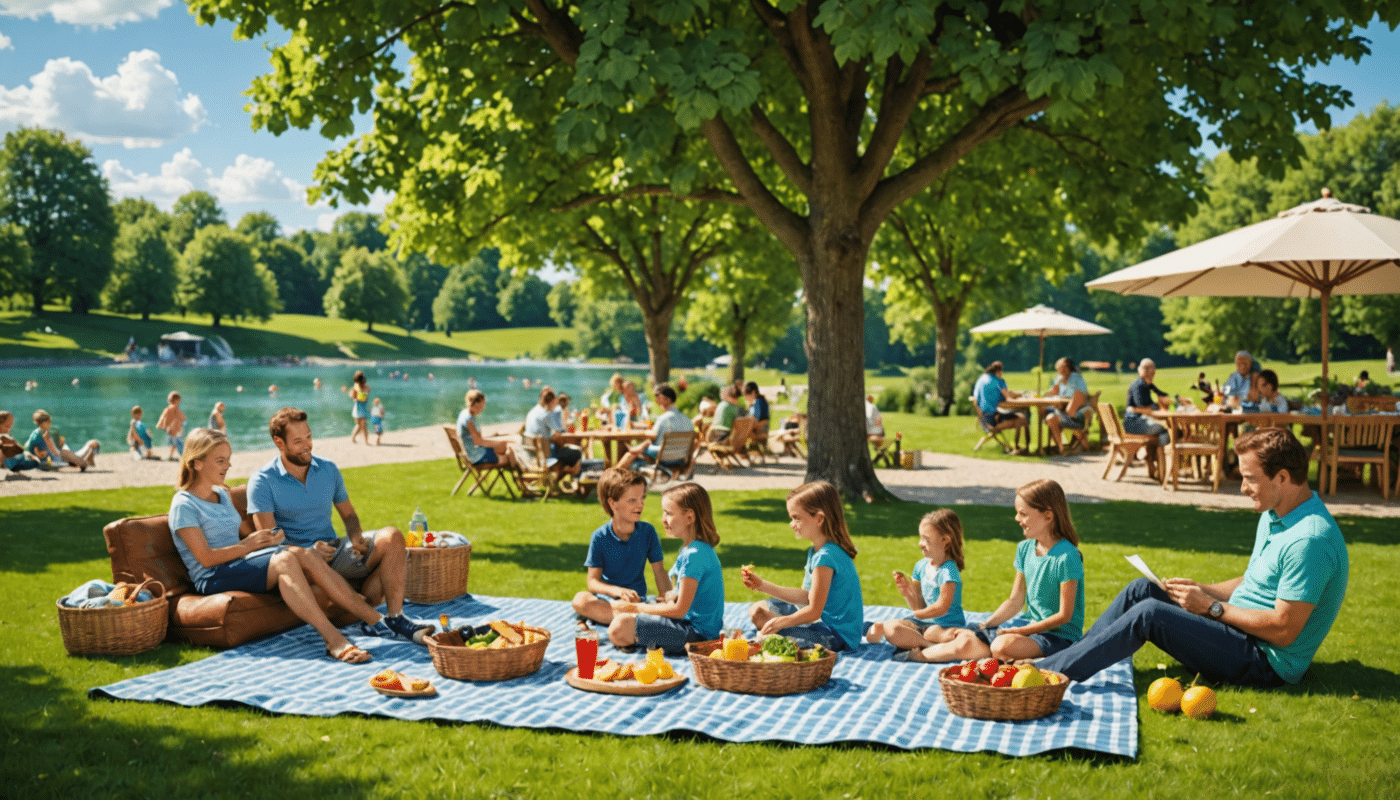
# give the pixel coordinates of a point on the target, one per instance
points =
(614, 441)
(1038, 405)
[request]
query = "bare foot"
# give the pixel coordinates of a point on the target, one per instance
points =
(350, 654)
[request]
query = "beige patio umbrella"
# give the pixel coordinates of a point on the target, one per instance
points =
(1317, 249)
(1041, 321)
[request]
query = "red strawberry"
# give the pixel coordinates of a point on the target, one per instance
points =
(967, 673)
(1004, 675)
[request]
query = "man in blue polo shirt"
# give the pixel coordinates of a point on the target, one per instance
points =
(1260, 629)
(296, 492)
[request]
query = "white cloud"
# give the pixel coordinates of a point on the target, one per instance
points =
(140, 106)
(5, 43)
(253, 180)
(85, 12)
(247, 180)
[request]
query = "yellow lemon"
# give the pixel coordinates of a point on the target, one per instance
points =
(718, 652)
(736, 649)
(665, 671)
(1198, 702)
(1164, 694)
(656, 657)
(645, 673)
(1026, 677)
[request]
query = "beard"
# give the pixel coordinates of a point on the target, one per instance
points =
(302, 460)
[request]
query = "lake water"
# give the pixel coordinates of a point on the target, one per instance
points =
(99, 406)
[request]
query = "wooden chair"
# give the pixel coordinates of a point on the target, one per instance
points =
(757, 445)
(727, 451)
(1202, 442)
(487, 475)
(791, 440)
(1080, 437)
(534, 470)
(883, 453)
(1365, 404)
(1124, 445)
(987, 431)
(675, 446)
(1361, 440)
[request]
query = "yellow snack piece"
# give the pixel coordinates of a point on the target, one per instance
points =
(664, 670)
(645, 673)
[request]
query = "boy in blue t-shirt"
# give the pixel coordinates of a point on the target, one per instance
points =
(619, 550)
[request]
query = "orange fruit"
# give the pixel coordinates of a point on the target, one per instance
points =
(664, 671)
(645, 672)
(1198, 702)
(1164, 694)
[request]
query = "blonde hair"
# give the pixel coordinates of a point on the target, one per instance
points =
(692, 497)
(200, 444)
(945, 522)
(474, 395)
(820, 497)
(1046, 495)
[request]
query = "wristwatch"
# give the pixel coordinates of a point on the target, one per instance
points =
(1217, 610)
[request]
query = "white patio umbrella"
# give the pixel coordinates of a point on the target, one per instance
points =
(1041, 321)
(1317, 249)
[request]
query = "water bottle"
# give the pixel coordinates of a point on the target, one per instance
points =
(419, 524)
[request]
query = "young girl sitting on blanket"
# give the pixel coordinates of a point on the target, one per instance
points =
(933, 592)
(694, 610)
(1049, 584)
(828, 609)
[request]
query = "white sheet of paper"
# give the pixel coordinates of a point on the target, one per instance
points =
(1142, 567)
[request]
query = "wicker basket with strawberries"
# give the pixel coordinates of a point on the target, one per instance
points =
(987, 689)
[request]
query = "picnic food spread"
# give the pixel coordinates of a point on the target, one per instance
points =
(397, 684)
(775, 649)
(652, 676)
(501, 635)
(1004, 676)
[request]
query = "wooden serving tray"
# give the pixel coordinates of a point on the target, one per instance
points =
(630, 686)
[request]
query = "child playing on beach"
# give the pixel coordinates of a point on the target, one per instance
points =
(933, 591)
(376, 419)
(1049, 584)
(138, 437)
(172, 421)
(619, 550)
(828, 609)
(216, 418)
(48, 448)
(11, 450)
(694, 610)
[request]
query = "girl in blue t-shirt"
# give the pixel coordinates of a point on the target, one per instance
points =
(828, 609)
(934, 592)
(1049, 584)
(694, 610)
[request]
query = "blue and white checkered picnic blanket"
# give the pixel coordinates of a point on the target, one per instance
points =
(868, 699)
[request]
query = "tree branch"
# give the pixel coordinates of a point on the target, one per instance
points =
(898, 99)
(648, 189)
(790, 228)
(784, 154)
(999, 113)
(558, 30)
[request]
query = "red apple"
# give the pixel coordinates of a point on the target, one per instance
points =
(1004, 675)
(987, 667)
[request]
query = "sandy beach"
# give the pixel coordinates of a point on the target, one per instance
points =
(944, 479)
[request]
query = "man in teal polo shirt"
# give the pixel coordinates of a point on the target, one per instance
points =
(1260, 629)
(296, 492)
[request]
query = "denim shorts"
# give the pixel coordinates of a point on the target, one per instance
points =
(1049, 643)
(669, 634)
(807, 635)
(489, 457)
(1075, 422)
(239, 575)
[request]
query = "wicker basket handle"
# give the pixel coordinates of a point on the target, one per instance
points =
(136, 595)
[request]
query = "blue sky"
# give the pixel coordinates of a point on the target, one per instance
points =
(159, 100)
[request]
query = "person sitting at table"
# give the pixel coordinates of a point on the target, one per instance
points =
(1136, 417)
(1237, 385)
(758, 409)
(541, 422)
(1264, 395)
(989, 391)
(1069, 384)
(613, 394)
(479, 449)
(670, 419)
(1362, 381)
(874, 422)
(636, 408)
(1207, 391)
(728, 411)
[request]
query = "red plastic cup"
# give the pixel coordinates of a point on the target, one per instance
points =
(586, 648)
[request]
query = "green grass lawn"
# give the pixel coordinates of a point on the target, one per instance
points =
(104, 335)
(1327, 737)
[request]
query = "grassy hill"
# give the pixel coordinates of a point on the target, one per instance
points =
(62, 335)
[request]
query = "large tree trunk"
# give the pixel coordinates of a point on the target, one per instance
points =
(946, 316)
(738, 349)
(658, 330)
(216, 316)
(836, 443)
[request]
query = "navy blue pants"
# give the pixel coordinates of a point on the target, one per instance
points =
(1143, 613)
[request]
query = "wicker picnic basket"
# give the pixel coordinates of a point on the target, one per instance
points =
(984, 701)
(437, 574)
(453, 659)
(116, 631)
(753, 677)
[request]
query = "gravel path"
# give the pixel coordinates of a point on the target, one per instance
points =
(944, 479)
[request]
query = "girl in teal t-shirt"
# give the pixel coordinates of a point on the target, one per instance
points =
(1049, 585)
(828, 609)
(934, 590)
